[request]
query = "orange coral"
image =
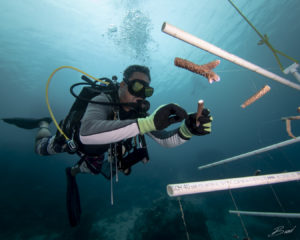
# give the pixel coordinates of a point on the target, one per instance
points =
(256, 96)
(204, 70)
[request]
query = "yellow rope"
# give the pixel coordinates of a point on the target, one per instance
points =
(183, 219)
(47, 97)
(239, 215)
(265, 40)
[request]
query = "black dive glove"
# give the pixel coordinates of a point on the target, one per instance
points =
(161, 118)
(189, 127)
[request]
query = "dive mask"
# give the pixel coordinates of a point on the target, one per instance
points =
(139, 88)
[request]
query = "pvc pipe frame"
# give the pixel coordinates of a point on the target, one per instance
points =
(296, 75)
(229, 183)
(197, 42)
(266, 214)
(248, 154)
(293, 69)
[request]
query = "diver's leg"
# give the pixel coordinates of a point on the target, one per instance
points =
(80, 167)
(72, 199)
(75, 170)
(42, 137)
(43, 131)
(91, 165)
(45, 143)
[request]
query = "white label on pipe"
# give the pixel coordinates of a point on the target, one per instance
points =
(230, 183)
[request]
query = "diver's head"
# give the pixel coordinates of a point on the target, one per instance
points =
(135, 85)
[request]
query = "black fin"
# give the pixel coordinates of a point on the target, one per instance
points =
(26, 123)
(73, 199)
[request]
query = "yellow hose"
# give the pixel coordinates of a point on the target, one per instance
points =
(47, 98)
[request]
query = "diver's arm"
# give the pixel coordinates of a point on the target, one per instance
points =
(99, 127)
(108, 131)
(168, 139)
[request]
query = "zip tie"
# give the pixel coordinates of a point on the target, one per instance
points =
(256, 96)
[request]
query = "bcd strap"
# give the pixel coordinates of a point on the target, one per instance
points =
(138, 154)
(94, 163)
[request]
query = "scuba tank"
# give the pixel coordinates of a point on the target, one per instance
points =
(126, 158)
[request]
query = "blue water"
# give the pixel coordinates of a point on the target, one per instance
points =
(102, 38)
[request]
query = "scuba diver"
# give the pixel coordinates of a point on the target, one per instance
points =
(107, 126)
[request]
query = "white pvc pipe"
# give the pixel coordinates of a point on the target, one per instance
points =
(248, 154)
(296, 75)
(229, 183)
(197, 42)
(293, 69)
(266, 214)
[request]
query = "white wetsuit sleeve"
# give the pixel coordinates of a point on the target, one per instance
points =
(168, 139)
(98, 126)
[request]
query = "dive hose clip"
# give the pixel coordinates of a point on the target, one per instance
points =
(72, 146)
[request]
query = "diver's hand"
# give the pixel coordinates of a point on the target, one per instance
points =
(190, 128)
(161, 118)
